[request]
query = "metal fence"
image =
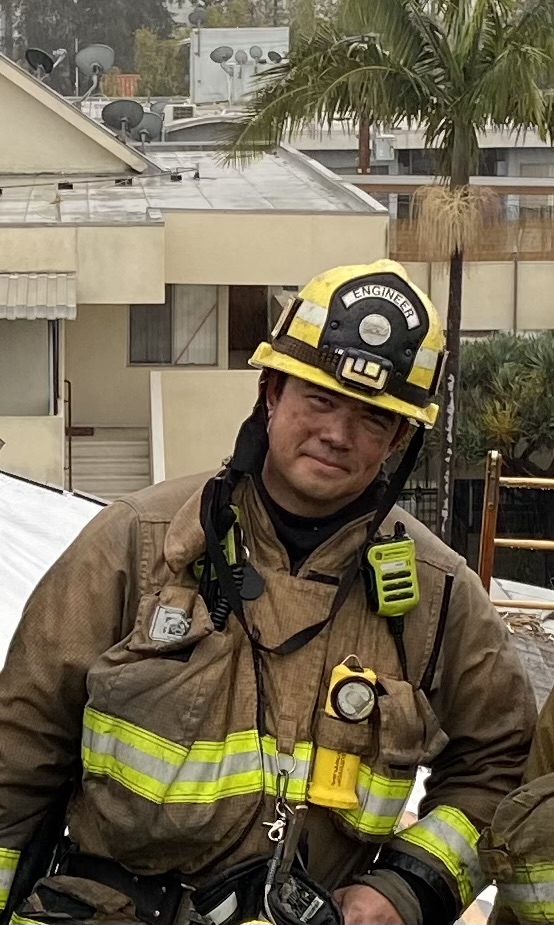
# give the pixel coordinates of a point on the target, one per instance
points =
(523, 512)
(420, 501)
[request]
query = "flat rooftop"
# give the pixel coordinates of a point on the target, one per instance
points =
(285, 181)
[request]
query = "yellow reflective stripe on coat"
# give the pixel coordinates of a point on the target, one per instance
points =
(449, 835)
(381, 801)
(530, 893)
(9, 859)
(162, 771)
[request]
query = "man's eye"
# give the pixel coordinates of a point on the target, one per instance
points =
(374, 420)
(321, 400)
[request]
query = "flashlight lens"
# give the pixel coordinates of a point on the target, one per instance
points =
(355, 700)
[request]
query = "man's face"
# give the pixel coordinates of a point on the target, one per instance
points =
(324, 448)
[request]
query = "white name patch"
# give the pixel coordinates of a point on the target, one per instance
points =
(376, 291)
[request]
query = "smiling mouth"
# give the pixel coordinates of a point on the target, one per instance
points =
(327, 463)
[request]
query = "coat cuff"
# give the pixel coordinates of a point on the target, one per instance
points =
(394, 888)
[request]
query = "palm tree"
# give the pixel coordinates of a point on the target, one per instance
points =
(451, 67)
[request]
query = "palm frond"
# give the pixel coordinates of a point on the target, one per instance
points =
(326, 79)
(452, 219)
(391, 20)
(449, 66)
(533, 24)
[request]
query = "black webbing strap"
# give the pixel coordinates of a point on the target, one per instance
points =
(229, 589)
(427, 679)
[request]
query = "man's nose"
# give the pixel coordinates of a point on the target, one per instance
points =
(338, 431)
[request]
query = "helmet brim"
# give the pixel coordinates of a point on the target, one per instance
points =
(265, 357)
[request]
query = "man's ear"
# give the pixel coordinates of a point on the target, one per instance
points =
(273, 391)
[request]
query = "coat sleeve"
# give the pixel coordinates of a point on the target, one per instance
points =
(517, 849)
(485, 704)
(541, 756)
(74, 615)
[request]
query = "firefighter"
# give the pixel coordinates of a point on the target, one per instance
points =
(517, 850)
(239, 675)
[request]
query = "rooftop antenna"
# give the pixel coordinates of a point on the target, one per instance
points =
(277, 58)
(222, 56)
(241, 58)
(93, 61)
(159, 107)
(42, 64)
(123, 116)
(197, 16)
(150, 129)
(258, 55)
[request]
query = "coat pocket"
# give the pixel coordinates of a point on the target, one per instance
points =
(523, 820)
(173, 619)
(409, 732)
(168, 675)
(57, 898)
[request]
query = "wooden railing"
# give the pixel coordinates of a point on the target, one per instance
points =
(524, 239)
(494, 481)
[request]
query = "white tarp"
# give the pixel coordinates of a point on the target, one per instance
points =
(36, 526)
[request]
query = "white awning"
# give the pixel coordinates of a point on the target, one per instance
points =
(38, 295)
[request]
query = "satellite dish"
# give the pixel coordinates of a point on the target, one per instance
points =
(159, 107)
(95, 59)
(274, 57)
(197, 17)
(123, 116)
(39, 61)
(149, 129)
(241, 57)
(221, 54)
(256, 53)
(42, 64)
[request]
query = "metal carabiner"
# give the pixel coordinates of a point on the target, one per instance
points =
(277, 830)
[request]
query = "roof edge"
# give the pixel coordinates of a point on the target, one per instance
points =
(58, 104)
(332, 180)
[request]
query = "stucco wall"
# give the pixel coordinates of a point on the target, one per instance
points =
(106, 391)
(38, 140)
(201, 414)
(34, 448)
(495, 294)
(268, 249)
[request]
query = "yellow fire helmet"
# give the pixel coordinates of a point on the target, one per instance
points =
(366, 332)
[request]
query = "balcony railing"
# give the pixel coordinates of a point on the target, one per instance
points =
(523, 238)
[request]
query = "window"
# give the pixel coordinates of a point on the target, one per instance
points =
(417, 161)
(182, 332)
(248, 322)
(150, 332)
(536, 206)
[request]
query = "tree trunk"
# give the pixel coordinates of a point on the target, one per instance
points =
(459, 179)
(450, 400)
(364, 142)
(7, 9)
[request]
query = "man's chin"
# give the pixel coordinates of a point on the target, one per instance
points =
(321, 490)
